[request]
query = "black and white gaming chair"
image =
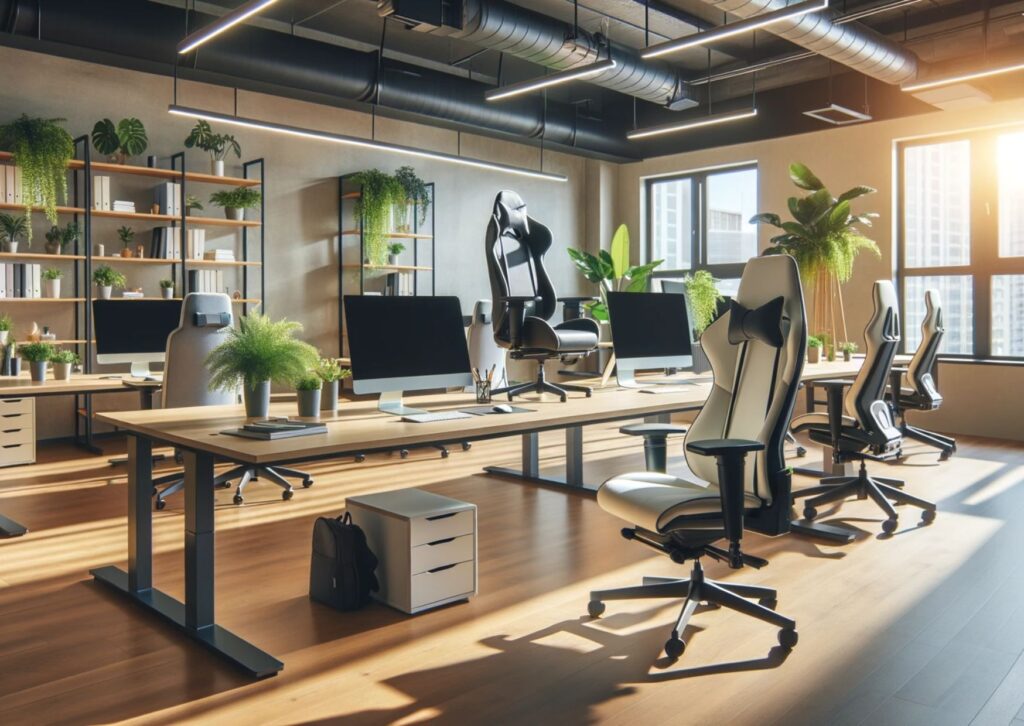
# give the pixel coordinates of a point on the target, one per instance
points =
(867, 429)
(756, 352)
(913, 388)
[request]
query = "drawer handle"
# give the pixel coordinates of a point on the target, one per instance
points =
(441, 542)
(11, 400)
(12, 415)
(13, 446)
(442, 568)
(11, 431)
(441, 516)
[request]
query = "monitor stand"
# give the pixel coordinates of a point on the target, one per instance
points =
(626, 378)
(391, 402)
(140, 370)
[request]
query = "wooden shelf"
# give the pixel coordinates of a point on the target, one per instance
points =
(68, 342)
(352, 195)
(42, 299)
(144, 216)
(223, 263)
(392, 235)
(15, 256)
(244, 300)
(220, 222)
(35, 208)
(108, 259)
(389, 268)
(155, 172)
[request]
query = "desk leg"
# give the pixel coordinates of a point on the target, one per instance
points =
(530, 471)
(196, 615)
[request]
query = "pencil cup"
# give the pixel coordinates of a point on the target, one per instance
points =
(483, 391)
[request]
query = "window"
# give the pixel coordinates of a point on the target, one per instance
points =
(962, 233)
(700, 221)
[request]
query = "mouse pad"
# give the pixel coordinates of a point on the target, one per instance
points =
(485, 410)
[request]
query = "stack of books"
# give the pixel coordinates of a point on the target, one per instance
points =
(132, 295)
(277, 429)
(168, 197)
(206, 281)
(166, 243)
(196, 243)
(10, 184)
(101, 193)
(120, 206)
(20, 280)
(220, 255)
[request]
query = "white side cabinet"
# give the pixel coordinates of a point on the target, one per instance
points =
(426, 544)
(17, 431)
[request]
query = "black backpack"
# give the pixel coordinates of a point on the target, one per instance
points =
(341, 573)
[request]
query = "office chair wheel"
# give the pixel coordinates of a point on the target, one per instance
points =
(466, 446)
(360, 458)
(801, 451)
(564, 398)
(159, 504)
(788, 638)
(589, 393)
(287, 494)
(445, 453)
(768, 602)
(238, 499)
(595, 608)
(403, 453)
(810, 512)
(944, 456)
(674, 646)
(889, 525)
(927, 516)
(307, 483)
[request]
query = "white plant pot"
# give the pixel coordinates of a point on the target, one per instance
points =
(51, 288)
(236, 214)
(105, 291)
(167, 292)
(217, 167)
(62, 371)
(12, 247)
(3, 336)
(392, 260)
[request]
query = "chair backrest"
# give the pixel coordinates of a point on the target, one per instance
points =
(865, 401)
(515, 247)
(755, 384)
(205, 321)
(919, 371)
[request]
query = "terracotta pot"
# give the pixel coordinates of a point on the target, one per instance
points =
(126, 252)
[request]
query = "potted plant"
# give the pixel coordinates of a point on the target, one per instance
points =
(192, 202)
(57, 238)
(126, 234)
(848, 349)
(63, 361)
(120, 142)
(394, 250)
(331, 373)
(416, 195)
(51, 282)
(259, 351)
(106, 279)
(236, 201)
(612, 272)
(307, 391)
(218, 146)
(703, 298)
(37, 355)
(813, 349)
(5, 327)
(379, 192)
(42, 150)
(13, 230)
(167, 289)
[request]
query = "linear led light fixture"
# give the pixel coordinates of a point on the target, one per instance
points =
(719, 118)
(962, 77)
(536, 84)
(740, 26)
(838, 115)
(363, 143)
(207, 32)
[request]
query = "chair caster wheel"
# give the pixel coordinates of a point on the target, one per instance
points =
(360, 458)
(768, 602)
(403, 453)
(238, 499)
(889, 525)
(810, 512)
(160, 504)
(595, 608)
(674, 647)
(287, 494)
(927, 516)
(224, 485)
(307, 483)
(788, 638)
(445, 453)
(801, 451)
(589, 393)
(944, 456)
(564, 398)
(466, 446)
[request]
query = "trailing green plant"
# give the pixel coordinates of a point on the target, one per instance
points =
(52, 273)
(848, 347)
(167, 284)
(42, 150)
(824, 236)
(379, 193)
(121, 142)
(35, 352)
(396, 248)
(58, 238)
(14, 229)
(64, 356)
(192, 202)
(610, 269)
(260, 349)
(308, 383)
(106, 276)
(5, 322)
(415, 191)
(813, 341)
(703, 296)
(126, 234)
(329, 370)
(240, 198)
(218, 146)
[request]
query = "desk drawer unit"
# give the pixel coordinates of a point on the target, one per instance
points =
(426, 545)
(17, 431)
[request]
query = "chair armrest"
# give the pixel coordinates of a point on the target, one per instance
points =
(724, 447)
(830, 383)
(899, 369)
(652, 429)
(572, 307)
(517, 314)
(579, 299)
(521, 300)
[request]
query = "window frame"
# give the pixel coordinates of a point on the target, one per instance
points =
(985, 262)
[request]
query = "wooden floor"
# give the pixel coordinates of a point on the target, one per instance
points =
(925, 627)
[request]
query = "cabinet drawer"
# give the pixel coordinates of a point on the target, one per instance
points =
(442, 526)
(15, 405)
(430, 587)
(13, 454)
(19, 432)
(444, 552)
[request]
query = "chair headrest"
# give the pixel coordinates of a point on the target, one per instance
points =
(206, 309)
(763, 323)
(510, 211)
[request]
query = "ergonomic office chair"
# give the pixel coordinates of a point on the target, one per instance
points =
(205, 320)
(867, 430)
(756, 352)
(921, 393)
(524, 298)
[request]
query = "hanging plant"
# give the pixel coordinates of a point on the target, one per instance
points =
(42, 150)
(416, 192)
(379, 193)
(703, 295)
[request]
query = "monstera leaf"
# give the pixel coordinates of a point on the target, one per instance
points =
(123, 141)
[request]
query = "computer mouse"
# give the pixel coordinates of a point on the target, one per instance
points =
(502, 408)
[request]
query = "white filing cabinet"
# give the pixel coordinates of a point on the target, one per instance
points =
(17, 431)
(426, 544)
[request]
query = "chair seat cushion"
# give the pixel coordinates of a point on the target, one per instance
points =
(652, 500)
(819, 419)
(538, 334)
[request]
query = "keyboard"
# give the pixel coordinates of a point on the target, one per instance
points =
(438, 416)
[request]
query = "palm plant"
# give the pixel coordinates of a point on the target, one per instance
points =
(610, 269)
(13, 229)
(259, 350)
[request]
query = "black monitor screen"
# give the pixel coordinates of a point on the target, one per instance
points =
(649, 324)
(134, 326)
(405, 336)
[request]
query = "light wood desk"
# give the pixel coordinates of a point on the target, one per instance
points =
(359, 427)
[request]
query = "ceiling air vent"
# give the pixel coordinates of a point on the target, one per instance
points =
(838, 115)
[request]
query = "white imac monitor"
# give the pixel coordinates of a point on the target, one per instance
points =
(650, 330)
(402, 343)
(134, 331)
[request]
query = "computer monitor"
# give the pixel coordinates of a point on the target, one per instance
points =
(402, 343)
(134, 331)
(649, 330)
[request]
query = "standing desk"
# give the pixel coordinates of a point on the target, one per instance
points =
(359, 427)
